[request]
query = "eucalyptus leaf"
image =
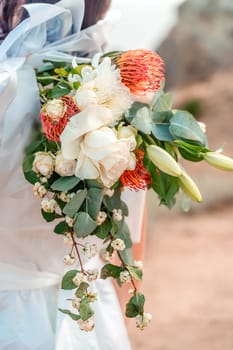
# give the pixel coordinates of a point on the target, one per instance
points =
(67, 282)
(162, 132)
(84, 224)
(142, 120)
(127, 256)
(75, 203)
(65, 183)
(113, 202)
(163, 103)
(94, 201)
(136, 106)
(124, 234)
(161, 117)
(184, 126)
(135, 272)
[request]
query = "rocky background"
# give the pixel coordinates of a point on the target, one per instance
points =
(188, 277)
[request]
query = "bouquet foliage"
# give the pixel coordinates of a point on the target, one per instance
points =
(106, 125)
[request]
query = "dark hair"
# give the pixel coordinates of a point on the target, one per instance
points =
(94, 11)
(11, 12)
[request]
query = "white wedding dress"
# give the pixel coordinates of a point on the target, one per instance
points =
(30, 253)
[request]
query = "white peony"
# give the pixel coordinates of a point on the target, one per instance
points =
(102, 85)
(99, 153)
(64, 167)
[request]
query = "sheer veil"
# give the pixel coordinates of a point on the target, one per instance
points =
(50, 32)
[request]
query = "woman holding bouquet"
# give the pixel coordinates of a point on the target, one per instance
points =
(30, 254)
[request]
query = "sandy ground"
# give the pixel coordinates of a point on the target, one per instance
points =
(188, 274)
(188, 282)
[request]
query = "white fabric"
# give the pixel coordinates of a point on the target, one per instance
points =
(30, 253)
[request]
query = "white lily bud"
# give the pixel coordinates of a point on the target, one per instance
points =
(189, 187)
(163, 160)
(219, 160)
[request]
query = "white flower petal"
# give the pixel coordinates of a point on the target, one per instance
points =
(86, 169)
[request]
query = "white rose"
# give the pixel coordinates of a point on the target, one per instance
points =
(99, 153)
(43, 164)
(64, 167)
(55, 109)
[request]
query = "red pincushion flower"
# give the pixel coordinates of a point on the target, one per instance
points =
(56, 114)
(141, 70)
(139, 178)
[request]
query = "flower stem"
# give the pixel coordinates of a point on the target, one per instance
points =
(75, 245)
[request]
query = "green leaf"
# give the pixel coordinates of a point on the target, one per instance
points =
(124, 234)
(65, 183)
(75, 203)
(163, 103)
(57, 91)
(127, 256)
(135, 305)
(191, 151)
(28, 162)
(131, 113)
(110, 270)
(113, 202)
(184, 126)
(84, 225)
(67, 282)
(161, 117)
(103, 230)
(35, 146)
(94, 201)
(164, 185)
(49, 216)
(135, 272)
(71, 314)
(131, 310)
(61, 228)
(31, 177)
(142, 121)
(94, 183)
(124, 208)
(82, 289)
(85, 310)
(162, 132)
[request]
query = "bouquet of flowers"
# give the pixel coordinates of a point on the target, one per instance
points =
(107, 124)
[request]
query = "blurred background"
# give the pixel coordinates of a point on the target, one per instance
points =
(188, 275)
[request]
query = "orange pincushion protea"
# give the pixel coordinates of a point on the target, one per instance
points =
(54, 118)
(139, 178)
(141, 70)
